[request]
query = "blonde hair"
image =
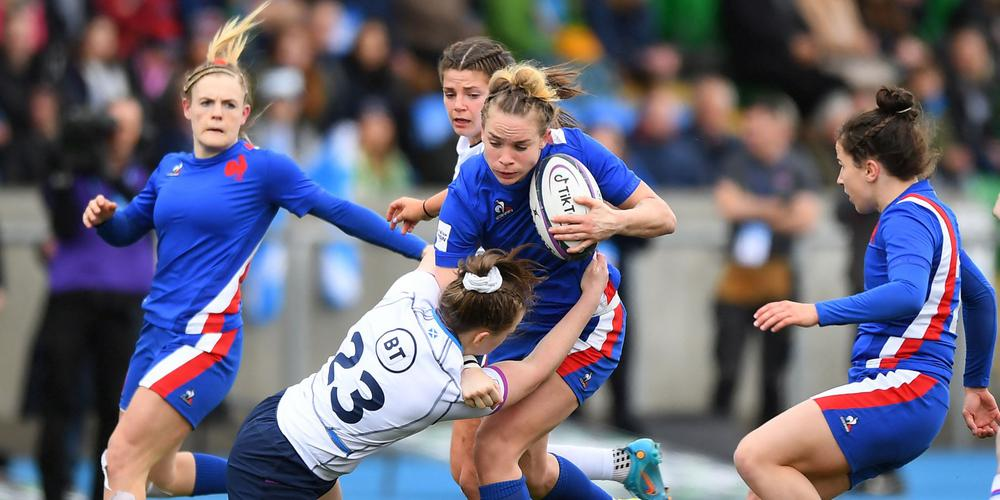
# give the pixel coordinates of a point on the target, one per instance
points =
(224, 52)
(520, 88)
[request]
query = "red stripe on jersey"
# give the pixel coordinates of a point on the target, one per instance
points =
(874, 231)
(879, 397)
(215, 320)
(608, 346)
(196, 366)
(578, 360)
(609, 291)
(944, 307)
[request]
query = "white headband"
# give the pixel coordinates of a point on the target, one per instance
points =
(904, 110)
(483, 284)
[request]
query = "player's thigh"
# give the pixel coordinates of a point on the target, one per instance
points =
(148, 431)
(831, 486)
(517, 427)
(463, 440)
(800, 438)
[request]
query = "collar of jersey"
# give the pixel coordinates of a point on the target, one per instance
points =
(917, 187)
(444, 327)
(214, 160)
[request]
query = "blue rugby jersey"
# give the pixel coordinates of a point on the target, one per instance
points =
(480, 211)
(210, 215)
(915, 258)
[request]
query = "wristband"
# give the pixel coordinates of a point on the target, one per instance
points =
(423, 205)
(469, 360)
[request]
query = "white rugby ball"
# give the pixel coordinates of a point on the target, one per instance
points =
(557, 180)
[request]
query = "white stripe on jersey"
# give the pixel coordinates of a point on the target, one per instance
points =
(922, 322)
(169, 364)
(596, 339)
(222, 300)
(882, 381)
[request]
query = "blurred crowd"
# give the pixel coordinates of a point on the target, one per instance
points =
(353, 83)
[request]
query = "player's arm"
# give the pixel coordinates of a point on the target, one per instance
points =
(411, 211)
(643, 214)
(979, 313)
(123, 227)
(364, 224)
(290, 188)
(524, 376)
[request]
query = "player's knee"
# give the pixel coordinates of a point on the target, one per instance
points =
(494, 449)
(749, 457)
(120, 457)
(468, 481)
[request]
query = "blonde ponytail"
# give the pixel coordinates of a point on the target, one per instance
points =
(520, 88)
(224, 52)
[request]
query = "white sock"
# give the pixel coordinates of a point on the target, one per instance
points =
(598, 464)
(995, 489)
(104, 469)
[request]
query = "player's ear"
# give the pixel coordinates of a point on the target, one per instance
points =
(480, 339)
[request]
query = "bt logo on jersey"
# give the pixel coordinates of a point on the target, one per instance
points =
(396, 350)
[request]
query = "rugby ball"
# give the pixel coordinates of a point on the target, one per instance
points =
(557, 180)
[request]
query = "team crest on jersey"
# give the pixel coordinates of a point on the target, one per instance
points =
(176, 171)
(849, 421)
(501, 209)
(188, 396)
(236, 168)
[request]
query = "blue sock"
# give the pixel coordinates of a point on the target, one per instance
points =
(515, 489)
(572, 484)
(209, 474)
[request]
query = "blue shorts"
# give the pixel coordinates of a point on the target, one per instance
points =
(191, 372)
(883, 422)
(263, 464)
(594, 356)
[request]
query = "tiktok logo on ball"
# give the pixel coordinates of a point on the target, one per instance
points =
(396, 350)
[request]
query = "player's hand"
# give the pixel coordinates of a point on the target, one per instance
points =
(777, 315)
(980, 412)
(478, 389)
(405, 210)
(595, 277)
(598, 224)
(99, 210)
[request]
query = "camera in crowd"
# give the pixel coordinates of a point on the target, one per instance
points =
(83, 144)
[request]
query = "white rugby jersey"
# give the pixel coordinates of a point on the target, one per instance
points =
(465, 151)
(395, 374)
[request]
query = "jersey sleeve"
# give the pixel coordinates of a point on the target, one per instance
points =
(421, 285)
(287, 185)
(909, 248)
(616, 180)
(458, 232)
(136, 219)
(460, 411)
(979, 313)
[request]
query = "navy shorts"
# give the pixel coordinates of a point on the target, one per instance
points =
(883, 422)
(263, 464)
(191, 372)
(593, 357)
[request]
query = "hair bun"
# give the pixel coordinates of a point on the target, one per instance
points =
(895, 100)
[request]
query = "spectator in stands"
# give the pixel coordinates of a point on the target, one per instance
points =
(95, 290)
(767, 194)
